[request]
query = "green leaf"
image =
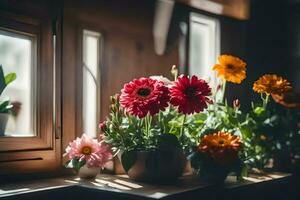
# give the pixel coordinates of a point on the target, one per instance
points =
(128, 159)
(2, 80)
(76, 164)
(259, 111)
(5, 106)
(10, 78)
(69, 164)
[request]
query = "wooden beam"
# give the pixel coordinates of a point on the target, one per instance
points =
(238, 9)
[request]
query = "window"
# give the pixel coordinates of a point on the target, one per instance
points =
(31, 142)
(91, 82)
(18, 54)
(204, 46)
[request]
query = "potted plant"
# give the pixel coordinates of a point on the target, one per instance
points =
(266, 131)
(5, 105)
(87, 156)
(216, 156)
(148, 125)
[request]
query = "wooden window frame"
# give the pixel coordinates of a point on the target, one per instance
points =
(42, 151)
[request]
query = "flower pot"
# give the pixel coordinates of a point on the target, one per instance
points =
(86, 172)
(156, 166)
(215, 175)
(3, 121)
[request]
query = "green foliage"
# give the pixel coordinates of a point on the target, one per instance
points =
(5, 80)
(126, 132)
(75, 164)
(265, 130)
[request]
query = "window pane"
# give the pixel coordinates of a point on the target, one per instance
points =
(17, 54)
(91, 80)
(204, 47)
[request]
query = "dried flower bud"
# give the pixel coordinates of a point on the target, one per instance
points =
(102, 125)
(236, 104)
(263, 137)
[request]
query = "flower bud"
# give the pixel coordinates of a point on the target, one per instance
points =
(236, 104)
(219, 87)
(117, 97)
(113, 108)
(102, 125)
(263, 137)
(112, 100)
(174, 71)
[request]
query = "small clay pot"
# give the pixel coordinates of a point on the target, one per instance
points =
(86, 172)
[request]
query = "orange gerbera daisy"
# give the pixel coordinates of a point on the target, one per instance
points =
(222, 147)
(231, 68)
(272, 84)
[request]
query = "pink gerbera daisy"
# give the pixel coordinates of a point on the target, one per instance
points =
(145, 95)
(190, 95)
(94, 153)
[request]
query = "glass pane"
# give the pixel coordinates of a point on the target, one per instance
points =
(17, 54)
(91, 80)
(204, 47)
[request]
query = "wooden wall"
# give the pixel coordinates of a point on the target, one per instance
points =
(128, 48)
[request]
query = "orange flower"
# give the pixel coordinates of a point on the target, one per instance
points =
(272, 84)
(231, 68)
(222, 147)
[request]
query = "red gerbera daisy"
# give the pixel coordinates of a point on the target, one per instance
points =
(145, 95)
(190, 95)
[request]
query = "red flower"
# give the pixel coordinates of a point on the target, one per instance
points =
(190, 95)
(143, 96)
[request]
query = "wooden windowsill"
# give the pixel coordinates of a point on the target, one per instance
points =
(121, 184)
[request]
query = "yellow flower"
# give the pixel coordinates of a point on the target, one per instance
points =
(231, 68)
(272, 84)
(222, 147)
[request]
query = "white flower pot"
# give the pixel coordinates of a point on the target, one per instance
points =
(86, 172)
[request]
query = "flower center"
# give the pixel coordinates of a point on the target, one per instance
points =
(221, 142)
(190, 91)
(230, 66)
(143, 92)
(86, 150)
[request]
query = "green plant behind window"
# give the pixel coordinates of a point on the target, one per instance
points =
(5, 80)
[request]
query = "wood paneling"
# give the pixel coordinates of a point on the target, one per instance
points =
(128, 50)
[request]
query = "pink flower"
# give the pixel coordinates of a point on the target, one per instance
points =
(94, 153)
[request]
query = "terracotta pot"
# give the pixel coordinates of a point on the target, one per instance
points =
(3, 121)
(86, 172)
(156, 166)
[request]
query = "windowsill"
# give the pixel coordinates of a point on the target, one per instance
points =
(121, 185)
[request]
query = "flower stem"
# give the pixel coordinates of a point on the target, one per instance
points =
(223, 91)
(266, 101)
(182, 127)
